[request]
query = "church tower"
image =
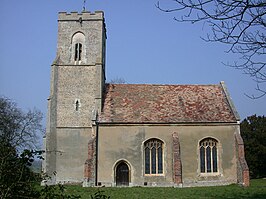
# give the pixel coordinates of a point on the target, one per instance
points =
(77, 83)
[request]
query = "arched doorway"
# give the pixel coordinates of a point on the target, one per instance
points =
(122, 174)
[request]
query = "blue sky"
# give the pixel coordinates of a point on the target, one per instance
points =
(144, 45)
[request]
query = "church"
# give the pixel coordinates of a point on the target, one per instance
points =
(104, 134)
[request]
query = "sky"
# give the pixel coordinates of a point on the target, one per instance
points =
(144, 45)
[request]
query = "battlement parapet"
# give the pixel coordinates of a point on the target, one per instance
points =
(85, 15)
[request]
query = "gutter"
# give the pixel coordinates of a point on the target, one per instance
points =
(168, 123)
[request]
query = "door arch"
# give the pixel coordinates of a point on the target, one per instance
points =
(122, 174)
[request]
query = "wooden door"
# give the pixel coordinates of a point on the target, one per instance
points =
(122, 174)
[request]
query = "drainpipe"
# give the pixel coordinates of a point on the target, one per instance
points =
(96, 161)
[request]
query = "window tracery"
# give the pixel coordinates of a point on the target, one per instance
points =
(208, 155)
(153, 152)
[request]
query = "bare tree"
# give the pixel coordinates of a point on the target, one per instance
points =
(241, 24)
(17, 128)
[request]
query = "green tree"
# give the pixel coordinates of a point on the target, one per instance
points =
(239, 24)
(18, 131)
(253, 131)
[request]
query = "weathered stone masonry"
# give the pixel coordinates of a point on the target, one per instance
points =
(242, 166)
(177, 165)
(89, 168)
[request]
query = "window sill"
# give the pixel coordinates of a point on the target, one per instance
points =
(209, 174)
(152, 175)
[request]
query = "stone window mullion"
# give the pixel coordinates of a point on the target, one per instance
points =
(154, 161)
(208, 156)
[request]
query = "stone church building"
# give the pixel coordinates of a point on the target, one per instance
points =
(103, 134)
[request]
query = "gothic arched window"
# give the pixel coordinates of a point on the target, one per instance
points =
(208, 155)
(153, 152)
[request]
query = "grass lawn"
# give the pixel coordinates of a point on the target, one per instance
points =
(256, 190)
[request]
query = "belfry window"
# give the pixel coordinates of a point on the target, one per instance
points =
(78, 48)
(153, 153)
(208, 155)
(78, 51)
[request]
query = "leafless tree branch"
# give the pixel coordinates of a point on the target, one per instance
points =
(19, 129)
(241, 24)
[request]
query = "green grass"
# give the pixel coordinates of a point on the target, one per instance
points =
(256, 190)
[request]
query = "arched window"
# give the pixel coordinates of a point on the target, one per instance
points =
(153, 152)
(208, 155)
(78, 47)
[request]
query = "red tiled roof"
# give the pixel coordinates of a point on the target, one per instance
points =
(145, 103)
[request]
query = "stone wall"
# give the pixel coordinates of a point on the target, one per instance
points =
(180, 154)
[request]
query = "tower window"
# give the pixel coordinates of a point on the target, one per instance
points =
(153, 152)
(208, 156)
(78, 48)
(77, 105)
(78, 51)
